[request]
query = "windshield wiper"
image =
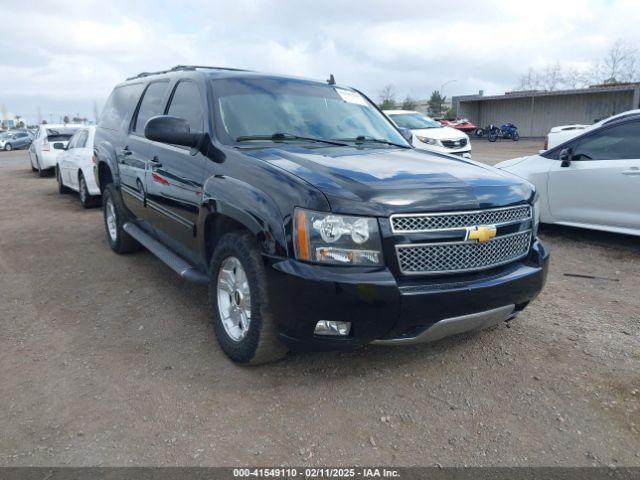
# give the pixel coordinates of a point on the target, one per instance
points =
(366, 138)
(280, 136)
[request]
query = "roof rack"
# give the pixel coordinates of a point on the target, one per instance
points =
(179, 68)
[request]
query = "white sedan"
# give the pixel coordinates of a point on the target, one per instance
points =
(562, 133)
(74, 168)
(50, 140)
(431, 135)
(591, 181)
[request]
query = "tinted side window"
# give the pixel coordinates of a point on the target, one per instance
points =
(186, 103)
(616, 143)
(73, 141)
(81, 142)
(120, 102)
(151, 105)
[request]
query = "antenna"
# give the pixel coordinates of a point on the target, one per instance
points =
(331, 81)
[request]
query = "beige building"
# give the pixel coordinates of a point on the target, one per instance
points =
(535, 112)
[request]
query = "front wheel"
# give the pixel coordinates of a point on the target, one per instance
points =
(493, 136)
(479, 132)
(515, 136)
(242, 319)
(8, 147)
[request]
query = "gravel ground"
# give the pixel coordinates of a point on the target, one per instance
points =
(110, 360)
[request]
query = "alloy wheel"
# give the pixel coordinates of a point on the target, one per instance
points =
(234, 298)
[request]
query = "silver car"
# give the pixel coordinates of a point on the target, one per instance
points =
(15, 140)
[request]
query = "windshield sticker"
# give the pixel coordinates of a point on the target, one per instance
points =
(350, 96)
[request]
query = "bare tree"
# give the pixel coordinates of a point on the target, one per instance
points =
(551, 77)
(387, 97)
(530, 81)
(409, 103)
(620, 63)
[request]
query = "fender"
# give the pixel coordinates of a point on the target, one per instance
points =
(105, 153)
(247, 205)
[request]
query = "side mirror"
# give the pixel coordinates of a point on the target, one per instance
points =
(565, 157)
(59, 146)
(173, 130)
(407, 134)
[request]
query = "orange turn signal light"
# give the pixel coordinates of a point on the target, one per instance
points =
(302, 236)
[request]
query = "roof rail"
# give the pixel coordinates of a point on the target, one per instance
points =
(179, 68)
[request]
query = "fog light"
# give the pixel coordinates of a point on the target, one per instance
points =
(329, 327)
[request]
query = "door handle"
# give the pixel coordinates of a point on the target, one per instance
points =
(632, 171)
(155, 162)
(125, 151)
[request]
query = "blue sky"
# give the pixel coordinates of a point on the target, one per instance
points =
(63, 56)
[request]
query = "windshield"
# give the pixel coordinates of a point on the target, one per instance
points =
(413, 121)
(252, 110)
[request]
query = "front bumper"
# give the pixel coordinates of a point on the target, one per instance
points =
(389, 310)
(463, 152)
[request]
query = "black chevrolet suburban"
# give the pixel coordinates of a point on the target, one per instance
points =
(307, 213)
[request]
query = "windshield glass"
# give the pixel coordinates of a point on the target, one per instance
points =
(413, 121)
(262, 107)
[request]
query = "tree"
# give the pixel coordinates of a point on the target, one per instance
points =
(65, 119)
(387, 97)
(436, 104)
(409, 103)
(620, 63)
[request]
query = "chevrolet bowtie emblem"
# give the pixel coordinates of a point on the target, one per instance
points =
(482, 234)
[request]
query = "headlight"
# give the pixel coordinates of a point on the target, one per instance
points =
(336, 239)
(536, 216)
(428, 141)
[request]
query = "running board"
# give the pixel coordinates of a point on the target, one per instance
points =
(171, 259)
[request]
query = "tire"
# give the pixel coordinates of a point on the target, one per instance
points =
(515, 136)
(259, 343)
(33, 169)
(8, 147)
(492, 137)
(41, 173)
(115, 216)
(479, 132)
(61, 187)
(86, 199)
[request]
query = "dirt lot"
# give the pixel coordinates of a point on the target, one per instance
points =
(110, 360)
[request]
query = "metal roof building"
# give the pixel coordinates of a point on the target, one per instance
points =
(535, 112)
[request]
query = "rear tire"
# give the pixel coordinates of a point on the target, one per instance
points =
(115, 216)
(41, 173)
(492, 137)
(61, 187)
(86, 199)
(259, 342)
(515, 137)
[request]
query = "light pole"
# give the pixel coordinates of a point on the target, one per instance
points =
(442, 90)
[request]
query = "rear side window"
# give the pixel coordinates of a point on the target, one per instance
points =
(119, 104)
(150, 106)
(186, 103)
(621, 142)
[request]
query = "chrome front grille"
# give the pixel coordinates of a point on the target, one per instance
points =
(458, 257)
(428, 222)
(454, 143)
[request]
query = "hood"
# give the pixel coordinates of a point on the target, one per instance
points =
(382, 181)
(442, 133)
(511, 162)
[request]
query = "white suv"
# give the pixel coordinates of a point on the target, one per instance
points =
(49, 142)
(429, 134)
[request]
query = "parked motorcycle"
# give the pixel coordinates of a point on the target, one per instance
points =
(493, 132)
